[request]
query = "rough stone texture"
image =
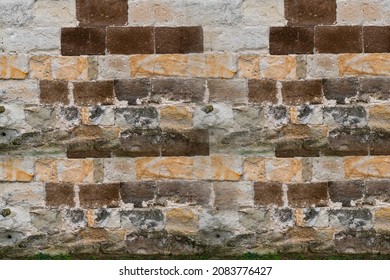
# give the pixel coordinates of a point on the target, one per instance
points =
(96, 196)
(179, 39)
(308, 195)
(301, 92)
(291, 40)
(267, 194)
(83, 41)
(338, 39)
(304, 12)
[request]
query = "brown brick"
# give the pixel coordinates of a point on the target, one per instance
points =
(268, 193)
(139, 142)
(348, 141)
(101, 12)
(52, 92)
(376, 39)
(61, 194)
(90, 149)
(338, 39)
(138, 192)
(228, 91)
(184, 192)
(310, 12)
(83, 41)
(261, 91)
(297, 148)
(301, 92)
(131, 90)
(308, 195)
(185, 143)
(380, 142)
(377, 190)
(232, 195)
(93, 93)
(346, 192)
(339, 89)
(130, 40)
(291, 40)
(378, 88)
(186, 90)
(98, 196)
(179, 39)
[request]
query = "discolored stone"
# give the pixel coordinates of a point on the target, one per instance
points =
(351, 218)
(340, 89)
(367, 167)
(338, 39)
(308, 12)
(284, 170)
(52, 92)
(93, 93)
(101, 13)
(185, 143)
(184, 192)
(358, 242)
(187, 39)
(83, 41)
(130, 40)
(138, 142)
(61, 194)
(268, 193)
(380, 142)
(291, 40)
(261, 91)
(133, 91)
(138, 192)
(308, 195)
(228, 91)
(376, 39)
(348, 141)
(143, 220)
(182, 220)
(346, 192)
(142, 117)
(301, 92)
(185, 90)
(355, 116)
(378, 88)
(99, 195)
(377, 191)
(375, 64)
(89, 149)
(231, 195)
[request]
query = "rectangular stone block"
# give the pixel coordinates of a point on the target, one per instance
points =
(151, 12)
(184, 90)
(345, 141)
(83, 41)
(184, 221)
(351, 218)
(377, 192)
(13, 67)
(99, 195)
(140, 194)
(119, 170)
(130, 40)
(327, 169)
(308, 195)
(74, 171)
(284, 170)
(338, 39)
(301, 92)
(349, 117)
(376, 39)
(268, 194)
(140, 142)
(55, 13)
(225, 168)
(364, 64)
(54, 92)
(374, 88)
(113, 67)
(184, 192)
(382, 217)
(279, 67)
(367, 167)
(307, 12)
(261, 91)
(185, 143)
(291, 40)
(93, 93)
(22, 194)
(59, 195)
(16, 12)
(263, 12)
(340, 89)
(346, 193)
(231, 195)
(25, 91)
(164, 168)
(228, 91)
(101, 13)
(16, 169)
(176, 117)
(249, 66)
(254, 169)
(65, 68)
(188, 39)
(132, 90)
(321, 66)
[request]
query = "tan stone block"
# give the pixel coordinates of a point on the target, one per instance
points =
(249, 66)
(13, 67)
(284, 170)
(150, 13)
(328, 169)
(164, 168)
(279, 67)
(322, 66)
(176, 117)
(16, 169)
(364, 64)
(194, 65)
(46, 170)
(379, 116)
(226, 168)
(40, 67)
(349, 12)
(182, 220)
(76, 171)
(70, 68)
(382, 220)
(233, 195)
(202, 170)
(113, 67)
(372, 13)
(119, 170)
(254, 169)
(367, 167)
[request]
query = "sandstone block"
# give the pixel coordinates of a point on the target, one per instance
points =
(113, 67)
(279, 67)
(249, 66)
(97, 196)
(16, 169)
(13, 67)
(164, 168)
(382, 218)
(346, 192)
(367, 167)
(138, 193)
(284, 170)
(268, 194)
(182, 220)
(67, 68)
(364, 64)
(58, 195)
(308, 195)
(254, 169)
(231, 195)
(225, 168)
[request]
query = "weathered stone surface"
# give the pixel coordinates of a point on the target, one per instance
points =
(96, 196)
(146, 220)
(164, 168)
(47, 221)
(374, 89)
(228, 91)
(362, 242)
(130, 40)
(185, 143)
(22, 91)
(83, 41)
(312, 217)
(140, 143)
(119, 170)
(93, 93)
(345, 116)
(364, 64)
(20, 194)
(185, 90)
(284, 170)
(60, 195)
(138, 193)
(351, 219)
(16, 169)
(13, 67)
(54, 13)
(213, 115)
(138, 118)
(340, 89)
(261, 91)
(268, 194)
(377, 192)
(225, 168)
(382, 217)
(231, 195)
(367, 167)
(307, 195)
(186, 39)
(301, 92)
(181, 220)
(176, 117)
(52, 92)
(41, 118)
(151, 12)
(16, 13)
(249, 66)
(254, 169)
(64, 68)
(322, 66)
(304, 12)
(291, 40)
(338, 39)
(184, 192)
(346, 141)
(347, 193)
(327, 169)
(279, 67)
(133, 91)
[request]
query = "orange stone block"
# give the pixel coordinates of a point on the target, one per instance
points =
(364, 64)
(367, 167)
(164, 168)
(13, 67)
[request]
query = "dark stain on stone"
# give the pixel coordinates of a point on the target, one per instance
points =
(101, 215)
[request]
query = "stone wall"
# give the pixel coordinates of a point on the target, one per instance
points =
(190, 126)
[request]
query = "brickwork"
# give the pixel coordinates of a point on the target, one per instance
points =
(189, 126)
